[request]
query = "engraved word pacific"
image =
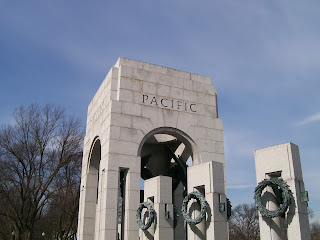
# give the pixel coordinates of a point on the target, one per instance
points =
(173, 104)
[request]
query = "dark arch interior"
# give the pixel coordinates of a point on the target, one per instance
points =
(166, 154)
(94, 166)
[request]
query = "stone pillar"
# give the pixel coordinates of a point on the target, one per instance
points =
(283, 161)
(107, 214)
(132, 197)
(270, 201)
(212, 181)
(159, 189)
(87, 211)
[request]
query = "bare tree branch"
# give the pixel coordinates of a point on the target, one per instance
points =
(33, 152)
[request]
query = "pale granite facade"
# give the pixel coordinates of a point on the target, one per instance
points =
(140, 107)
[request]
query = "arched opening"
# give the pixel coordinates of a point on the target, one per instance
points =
(164, 135)
(94, 165)
(168, 152)
(93, 186)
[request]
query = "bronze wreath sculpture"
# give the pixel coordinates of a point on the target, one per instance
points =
(284, 197)
(203, 204)
(151, 215)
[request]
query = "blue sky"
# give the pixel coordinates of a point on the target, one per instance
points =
(262, 56)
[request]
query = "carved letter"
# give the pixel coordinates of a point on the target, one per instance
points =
(162, 102)
(179, 104)
(143, 98)
(154, 100)
(191, 107)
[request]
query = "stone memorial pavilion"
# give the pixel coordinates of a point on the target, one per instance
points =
(159, 125)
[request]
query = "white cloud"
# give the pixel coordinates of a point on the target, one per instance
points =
(310, 119)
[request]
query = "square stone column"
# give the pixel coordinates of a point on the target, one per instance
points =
(208, 178)
(159, 189)
(284, 161)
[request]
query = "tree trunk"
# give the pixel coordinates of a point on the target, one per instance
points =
(23, 233)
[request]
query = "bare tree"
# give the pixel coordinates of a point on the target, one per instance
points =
(314, 226)
(5, 226)
(62, 215)
(244, 223)
(315, 230)
(34, 152)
